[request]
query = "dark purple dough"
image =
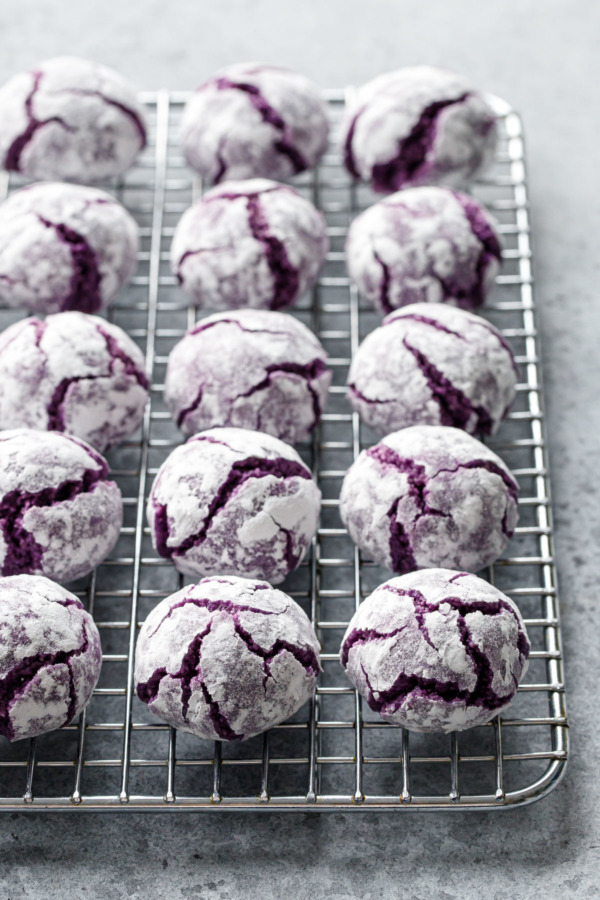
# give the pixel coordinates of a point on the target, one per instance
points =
(429, 496)
(50, 656)
(436, 650)
(252, 120)
(226, 658)
(418, 125)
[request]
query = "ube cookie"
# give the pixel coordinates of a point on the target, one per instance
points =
(252, 120)
(234, 502)
(63, 247)
(253, 243)
(226, 659)
(418, 125)
(430, 364)
(250, 369)
(72, 373)
(426, 244)
(436, 650)
(70, 119)
(430, 496)
(59, 514)
(50, 656)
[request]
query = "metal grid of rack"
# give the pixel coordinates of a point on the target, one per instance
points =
(336, 754)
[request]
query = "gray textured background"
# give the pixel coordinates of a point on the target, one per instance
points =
(543, 57)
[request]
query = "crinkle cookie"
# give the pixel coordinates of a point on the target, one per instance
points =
(252, 243)
(418, 125)
(234, 502)
(50, 656)
(430, 496)
(251, 369)
(430, 364)
(70, 119)
(59, 514)
(64, 246)
(425, 244)
(253, 120)
(226, 659)
(436, 650)
(73, 373)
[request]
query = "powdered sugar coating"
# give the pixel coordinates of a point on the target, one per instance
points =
(226, 659)
(250, 369)
(59, 515)
(50, 656)
(425, 244)
(431, 364)
(253, 243)
(418, 125)
(436, 650)
(63, 246)
(430, 495)
(234, 502)
(70, 119)
(252, 120)
(73, 373)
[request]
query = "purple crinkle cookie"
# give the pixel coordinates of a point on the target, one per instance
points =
(70, 120)
(430, 495)
(436, 650)
(50, 656)
(251, 369)
(251, 120)
(73, 373)
(252, 243)
(234, 502)
(226, 659)
(64, 246)
(425, 244)
(59, 514)
(431, 364)
(418, 125)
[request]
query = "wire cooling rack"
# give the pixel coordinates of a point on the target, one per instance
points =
(335, 754)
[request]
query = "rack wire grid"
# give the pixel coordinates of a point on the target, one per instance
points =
(336, 754)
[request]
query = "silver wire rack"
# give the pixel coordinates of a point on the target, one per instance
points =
(335, 754)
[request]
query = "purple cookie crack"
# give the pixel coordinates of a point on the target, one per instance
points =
(309, 372)
(13, 155)
(240, 472)
(490, 245)
(126, 110)
(384, 287)
(84, 291)
(285, 275)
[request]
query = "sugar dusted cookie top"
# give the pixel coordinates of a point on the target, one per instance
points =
(252, 120)
(436, 650)
(226, 658)
(70, 120)
(418, 125)
(50, 656)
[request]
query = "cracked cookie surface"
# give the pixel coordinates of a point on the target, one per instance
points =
(226, 658)
(50, 656)
(430, 495)
(72, 373)
(436, 650)
(254, 369)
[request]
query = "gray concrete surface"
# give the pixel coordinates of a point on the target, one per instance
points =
(543, 57)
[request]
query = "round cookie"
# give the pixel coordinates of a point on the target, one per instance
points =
(64, 246)
(226, 659)
(72, 373)
(250, 369)
(234, 502)
(252, 120)
(425, 244)
(418, 125)
(436, 650)
(430, 364)
(252, 243)
(50, 656)
(59, 514)
(430, 496)
(70, 120)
